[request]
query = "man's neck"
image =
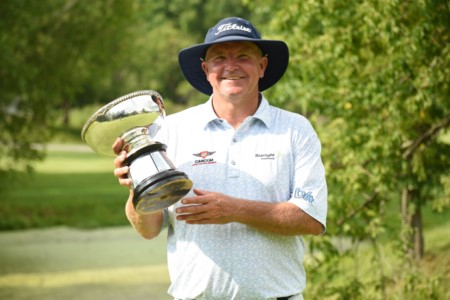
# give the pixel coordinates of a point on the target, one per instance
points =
(235, 111)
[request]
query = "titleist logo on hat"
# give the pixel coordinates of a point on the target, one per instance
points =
(230, 26)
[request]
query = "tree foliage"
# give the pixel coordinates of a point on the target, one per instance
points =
(374, 78)
(62, 54)
(50, 51)
(372, 75)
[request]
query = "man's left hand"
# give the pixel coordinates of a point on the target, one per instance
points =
(208, 208)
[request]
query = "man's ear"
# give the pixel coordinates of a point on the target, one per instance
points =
(263, 62)
(205, 68)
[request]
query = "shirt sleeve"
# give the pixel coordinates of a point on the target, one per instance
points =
(309, 190)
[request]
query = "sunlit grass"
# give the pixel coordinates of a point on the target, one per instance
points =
(60, 162)
(68, 188)
(77, 188)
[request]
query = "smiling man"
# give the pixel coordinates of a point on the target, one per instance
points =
(233, 69)
(259, 182)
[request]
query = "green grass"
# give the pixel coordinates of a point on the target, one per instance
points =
(68, 188)
(76, 188)
(73, 161)
(73, 188)
(66, 263)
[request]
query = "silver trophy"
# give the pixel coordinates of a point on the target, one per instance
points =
(136, 118)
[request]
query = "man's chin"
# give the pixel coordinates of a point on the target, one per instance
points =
(233, 90)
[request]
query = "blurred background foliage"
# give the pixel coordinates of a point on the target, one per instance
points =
(372, 76)
(60, 55)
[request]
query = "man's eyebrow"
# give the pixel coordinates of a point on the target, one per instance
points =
(212, 51)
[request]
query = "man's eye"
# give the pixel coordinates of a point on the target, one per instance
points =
(218, 58)
(243, 57)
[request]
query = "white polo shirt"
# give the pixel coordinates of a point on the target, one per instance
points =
(273, 156)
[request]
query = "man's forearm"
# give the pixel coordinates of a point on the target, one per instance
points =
(148, 225)
(282, 218)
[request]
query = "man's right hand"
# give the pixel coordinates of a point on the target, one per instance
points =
(121, 171)
(148, 225)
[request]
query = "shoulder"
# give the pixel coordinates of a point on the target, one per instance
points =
(281, 118)
(184, 123)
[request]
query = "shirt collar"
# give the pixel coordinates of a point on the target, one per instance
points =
(207, 114)
(262, 113)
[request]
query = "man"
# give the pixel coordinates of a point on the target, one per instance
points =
(259, 182)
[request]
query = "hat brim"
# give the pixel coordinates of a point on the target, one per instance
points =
(276, 51)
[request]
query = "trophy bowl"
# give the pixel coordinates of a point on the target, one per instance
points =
(136, 118)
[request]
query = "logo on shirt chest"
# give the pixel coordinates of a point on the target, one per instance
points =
(269, 155)
(205, 158)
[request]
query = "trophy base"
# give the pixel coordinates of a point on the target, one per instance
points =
(160, 191)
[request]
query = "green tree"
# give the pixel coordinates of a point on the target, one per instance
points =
(374, 78)
(62, 54)
(188, 21)
(50, 51)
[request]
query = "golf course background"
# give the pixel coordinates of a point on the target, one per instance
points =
(371, 76)
(69, 263)
(65, 235)
(72, 187)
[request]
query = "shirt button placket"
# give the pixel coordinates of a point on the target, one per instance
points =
(233, 170)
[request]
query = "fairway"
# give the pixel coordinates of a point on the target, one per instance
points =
(63, 159)
(75, 199)
(73, 187)
(75, 241)
(64, 263)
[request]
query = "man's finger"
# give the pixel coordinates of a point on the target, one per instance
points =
(121, 172)
(199, 192)
(117, 146)
(125, 182)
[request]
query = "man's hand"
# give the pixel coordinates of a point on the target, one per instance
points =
(283, 218)
(208, 208)
(120, 171)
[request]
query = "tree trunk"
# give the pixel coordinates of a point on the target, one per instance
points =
(417, 226)
(406, 221)
(67, 105)
(414, 242)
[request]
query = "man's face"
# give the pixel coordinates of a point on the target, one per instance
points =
(234, 68)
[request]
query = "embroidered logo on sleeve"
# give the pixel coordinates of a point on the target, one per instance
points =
(204, 158)
(301, 194)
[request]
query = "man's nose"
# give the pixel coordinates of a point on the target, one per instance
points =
(231, 63)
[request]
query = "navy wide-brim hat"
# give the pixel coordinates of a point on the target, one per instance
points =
(232, 30)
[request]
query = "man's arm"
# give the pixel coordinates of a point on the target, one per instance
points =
(148, 225)
(282, 218)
